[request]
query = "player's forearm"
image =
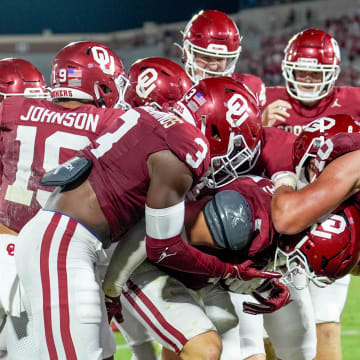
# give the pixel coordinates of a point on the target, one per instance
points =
(177, 254)
(130, 252)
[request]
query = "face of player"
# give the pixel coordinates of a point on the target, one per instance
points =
(311, 169)
(210, 63)
(309, 77)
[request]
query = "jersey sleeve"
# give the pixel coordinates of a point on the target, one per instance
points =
(190, 146)
(276, 153)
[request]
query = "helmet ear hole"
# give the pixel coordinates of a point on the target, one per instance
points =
(105, 89)
(215, 133)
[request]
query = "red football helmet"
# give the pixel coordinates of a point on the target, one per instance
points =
(328, 251)
(156, 81)
(313, 137)
(88, 70)
(211, 33)
(228, 115)
(311, 50)
(19, 77)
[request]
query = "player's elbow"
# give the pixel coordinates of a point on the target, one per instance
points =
(284, 220)
(285, 227)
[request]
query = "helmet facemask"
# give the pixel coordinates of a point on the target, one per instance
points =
(121, 83)
(34, 93)
(214, 51)
(291, 263)
(238, 160)
(320, 90)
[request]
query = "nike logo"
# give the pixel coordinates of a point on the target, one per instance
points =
(164, 255)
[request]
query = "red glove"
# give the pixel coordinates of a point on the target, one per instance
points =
(113, 308)
(247, 271)
(279, 296)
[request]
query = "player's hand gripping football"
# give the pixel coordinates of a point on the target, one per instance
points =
(113, 308)
(278, 296)
(247, 271)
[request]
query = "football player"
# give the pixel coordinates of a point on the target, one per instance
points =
(230, 118)
(18, 77)
(241, 149)
(338, 181)
(37, 135)
(143, 164)
(185, 312)
(211, 47)
(156, 81)
(324, 151)
(310, 68)
(214, 105)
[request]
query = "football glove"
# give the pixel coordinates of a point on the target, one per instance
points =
(247, 271)
(279, 296)
(113, 308)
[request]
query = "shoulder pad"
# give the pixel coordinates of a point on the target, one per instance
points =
(69, 174)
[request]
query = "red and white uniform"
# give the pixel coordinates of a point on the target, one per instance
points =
(56, 254)
(342, 100)
(335, 294)
(37, 136)
(254, 84)
(163, 302)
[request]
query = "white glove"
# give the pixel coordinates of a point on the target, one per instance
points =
(286, 178)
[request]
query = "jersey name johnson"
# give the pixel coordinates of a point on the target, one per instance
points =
(37, 136)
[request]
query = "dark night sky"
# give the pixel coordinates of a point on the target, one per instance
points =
(32, 16)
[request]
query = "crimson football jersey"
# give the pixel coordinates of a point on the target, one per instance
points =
(342, 100)
(276, 152)
(37, 136)
(258, 192)
(254, 84)
(120, 176)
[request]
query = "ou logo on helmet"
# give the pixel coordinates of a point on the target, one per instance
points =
(102, 57)
(322, 124)
(335, 224)
(237, 110)
(145, 82)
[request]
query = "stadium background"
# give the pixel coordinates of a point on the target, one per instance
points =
(36, 30)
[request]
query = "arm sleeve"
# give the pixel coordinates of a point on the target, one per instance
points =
(175, 253)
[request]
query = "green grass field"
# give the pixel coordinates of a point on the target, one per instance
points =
(350, 333)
